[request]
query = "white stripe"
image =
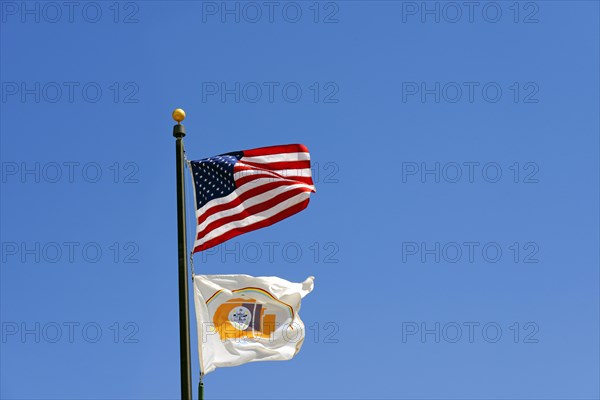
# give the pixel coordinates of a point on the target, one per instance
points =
(286, 173)
(254, 218)
(249, 203)
(278, 158)
(242, 189)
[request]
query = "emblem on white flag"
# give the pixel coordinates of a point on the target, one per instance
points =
(245, 319)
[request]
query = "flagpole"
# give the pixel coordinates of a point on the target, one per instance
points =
(184, 322)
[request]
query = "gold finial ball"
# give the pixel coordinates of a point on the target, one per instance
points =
(178, 115)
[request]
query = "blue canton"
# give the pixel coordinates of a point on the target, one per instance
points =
(213, 177)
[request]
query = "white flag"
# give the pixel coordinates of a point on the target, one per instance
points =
(244, 319)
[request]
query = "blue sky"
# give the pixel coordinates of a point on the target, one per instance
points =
(453, 235)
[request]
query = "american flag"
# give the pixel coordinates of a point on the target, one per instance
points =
(246, 190)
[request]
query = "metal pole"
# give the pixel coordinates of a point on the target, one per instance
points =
(184, 323)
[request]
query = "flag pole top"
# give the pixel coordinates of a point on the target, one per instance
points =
(178, 130)
(178, 115)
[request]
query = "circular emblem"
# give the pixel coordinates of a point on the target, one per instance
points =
(240, 317)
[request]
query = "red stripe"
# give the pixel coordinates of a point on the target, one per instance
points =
(238, 168)
(254, 210)
(275, 177)
(286, 174)
(301, 164)
(241, 198)
(266, 151)
(288, 212)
